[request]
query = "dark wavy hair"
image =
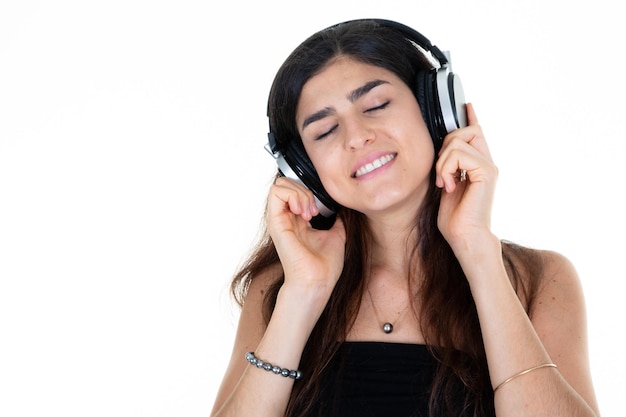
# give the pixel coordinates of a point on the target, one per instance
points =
(447, 312)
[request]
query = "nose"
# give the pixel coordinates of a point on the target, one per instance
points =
(358, 134)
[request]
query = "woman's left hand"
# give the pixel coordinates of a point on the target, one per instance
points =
(465, 210)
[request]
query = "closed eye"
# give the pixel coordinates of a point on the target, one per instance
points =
(328, 132)
(381, 107)
(372, 109)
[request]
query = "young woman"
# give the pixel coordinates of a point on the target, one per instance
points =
(408, 305)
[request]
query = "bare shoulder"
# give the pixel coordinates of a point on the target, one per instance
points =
(559, 305)
(560, 288)
(559, 318)
(559, 266)
(542, 278)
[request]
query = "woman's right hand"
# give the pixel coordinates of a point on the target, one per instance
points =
(310, 258)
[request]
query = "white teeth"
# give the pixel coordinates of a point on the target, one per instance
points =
(374, 165)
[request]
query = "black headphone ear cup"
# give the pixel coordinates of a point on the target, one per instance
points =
(426, 94)
(420, 94)
(297, 158)
(299, 161)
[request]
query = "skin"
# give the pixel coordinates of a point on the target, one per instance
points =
(346, 122)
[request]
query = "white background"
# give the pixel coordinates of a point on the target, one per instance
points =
(133, 177)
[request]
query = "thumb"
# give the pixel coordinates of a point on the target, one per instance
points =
(472, 120)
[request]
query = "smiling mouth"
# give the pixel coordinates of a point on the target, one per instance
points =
(374, 165)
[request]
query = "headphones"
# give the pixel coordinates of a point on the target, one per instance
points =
(439, 93)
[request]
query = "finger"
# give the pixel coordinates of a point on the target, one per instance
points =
(446, 167)
(472, 120)
(460, 138)
(310, 205)
(471, 135)
(293, 197)
(456, 163)
(448, 174)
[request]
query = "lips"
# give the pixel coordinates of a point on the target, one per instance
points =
(374, 165)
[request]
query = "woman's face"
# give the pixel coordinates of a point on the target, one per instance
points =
(363, 130)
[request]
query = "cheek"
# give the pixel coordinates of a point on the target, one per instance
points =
(325, 167)
(422, 142)
(329, 171)
(321, 156)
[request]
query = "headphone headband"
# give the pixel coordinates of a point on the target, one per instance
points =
(418, 40)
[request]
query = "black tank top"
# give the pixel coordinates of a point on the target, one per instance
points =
(378, 379)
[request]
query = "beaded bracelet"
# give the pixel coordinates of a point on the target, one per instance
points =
(287, 373)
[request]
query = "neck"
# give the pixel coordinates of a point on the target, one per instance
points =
(393, 241)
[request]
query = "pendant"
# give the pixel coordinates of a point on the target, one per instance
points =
(387, 328)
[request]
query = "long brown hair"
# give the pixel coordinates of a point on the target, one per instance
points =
(447, 312)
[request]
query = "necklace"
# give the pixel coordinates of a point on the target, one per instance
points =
(387, 326)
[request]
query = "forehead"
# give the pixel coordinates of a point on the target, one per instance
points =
(340, 77)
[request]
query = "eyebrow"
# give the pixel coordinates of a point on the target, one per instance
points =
(352, 96)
